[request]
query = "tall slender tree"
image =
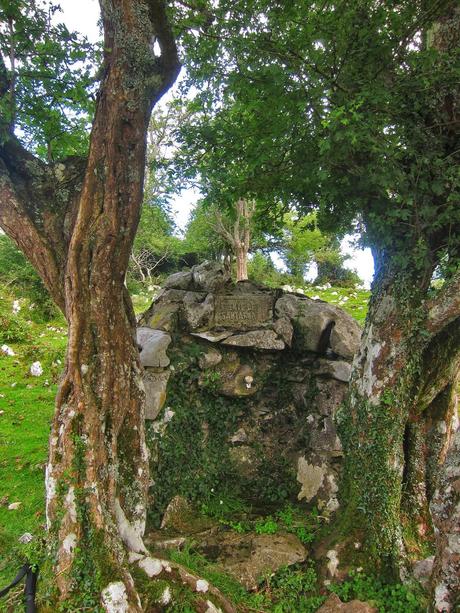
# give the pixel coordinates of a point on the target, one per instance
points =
(75, 219)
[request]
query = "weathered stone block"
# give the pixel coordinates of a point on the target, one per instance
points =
(153, 344)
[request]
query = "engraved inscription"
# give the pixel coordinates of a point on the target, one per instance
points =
(237, 311)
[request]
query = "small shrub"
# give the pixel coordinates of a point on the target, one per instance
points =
(388, 598)
(266, 525)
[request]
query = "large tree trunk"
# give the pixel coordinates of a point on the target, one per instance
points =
(396, 422)
(97, 475)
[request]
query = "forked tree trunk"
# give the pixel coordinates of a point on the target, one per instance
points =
(396, 422)
(238, 237)
(97, 474)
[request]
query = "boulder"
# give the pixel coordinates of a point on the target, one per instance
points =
(198, 309)
(319, 326)
(180, 516)
(210, 276)
(179, 280)
(337, 369)
(251, 557)
(153, 345)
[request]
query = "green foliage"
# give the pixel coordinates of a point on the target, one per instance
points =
(192, 453)
(266, 525)
(19, 276)
(51, 114)
(295, 589)
(387, 598)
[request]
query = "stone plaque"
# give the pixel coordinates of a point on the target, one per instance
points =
(243, 311)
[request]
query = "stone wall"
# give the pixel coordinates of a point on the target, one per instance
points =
(242, 385)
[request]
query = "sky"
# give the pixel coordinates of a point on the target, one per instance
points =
(84, 16)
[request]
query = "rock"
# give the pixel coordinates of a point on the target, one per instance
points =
(210, 276)
(155, 384)
(319, 325)
(154, 344)
(213, 336)
(198, 309)
(334, 605)
(244, 459)
(240, 436)
(422, 571)
(164, 317)
(310, 477)
(311, 321)
(27, 537)
(257, 339)
(235, 382)
(209, 359)
(325, 439)
(284, 330)
(181, 517)
(338, 369)
(345, 336)
(179, 280)
(445, 511)
(36, 369)
(242, 311)
(14, 506)
(333, 563)
(249, 558)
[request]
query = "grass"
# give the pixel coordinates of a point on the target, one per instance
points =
(26, 409)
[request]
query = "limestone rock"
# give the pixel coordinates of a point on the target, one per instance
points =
(310, 477)
(257, 339)
(284, 330)
(198, 309)
(181, 517)
(213, 336)
(334, 605)
(338, 369)
(155, 384)
(345, 336)
(209, 359)
(154, 344)
(237, 381)
(319, 325)
(209, 276)
(249, 557)
(179, 280)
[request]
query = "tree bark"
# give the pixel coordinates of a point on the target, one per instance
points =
(394, 431)
(97, 474)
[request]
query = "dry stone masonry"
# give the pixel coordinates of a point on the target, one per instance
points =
(285, 357)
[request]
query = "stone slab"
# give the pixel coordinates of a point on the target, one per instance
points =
(242, 311)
